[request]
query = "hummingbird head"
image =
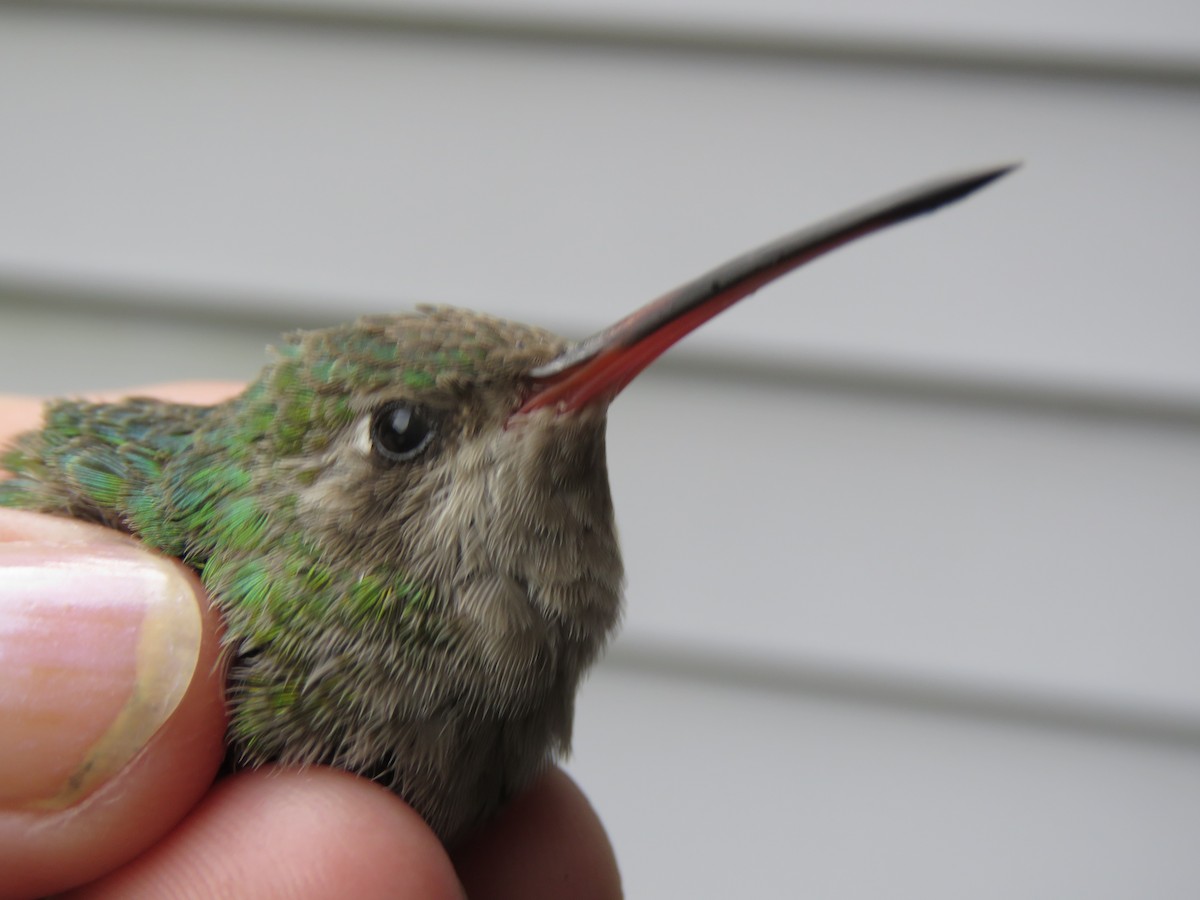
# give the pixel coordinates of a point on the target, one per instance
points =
(399, 441)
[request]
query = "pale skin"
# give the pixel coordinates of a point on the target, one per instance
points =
(162, 826)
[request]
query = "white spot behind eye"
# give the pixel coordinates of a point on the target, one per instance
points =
(362, 435)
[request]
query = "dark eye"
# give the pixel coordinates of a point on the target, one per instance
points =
(399, 432)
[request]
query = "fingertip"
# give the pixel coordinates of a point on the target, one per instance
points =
(547, 843)
(18, 413)
(292, 833)
(112, 707)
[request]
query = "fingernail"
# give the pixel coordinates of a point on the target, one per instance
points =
(98, 644)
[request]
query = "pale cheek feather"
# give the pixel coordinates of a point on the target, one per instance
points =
(360, 440)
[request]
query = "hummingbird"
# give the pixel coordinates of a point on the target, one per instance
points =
(405, 523)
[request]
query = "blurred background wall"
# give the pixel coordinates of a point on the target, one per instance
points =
(914, 588)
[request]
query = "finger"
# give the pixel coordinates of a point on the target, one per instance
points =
(547, 843)
(198, 392)
(111, 700)
(295, 834)
(18, 414)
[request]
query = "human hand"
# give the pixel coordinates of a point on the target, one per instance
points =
(112, 728)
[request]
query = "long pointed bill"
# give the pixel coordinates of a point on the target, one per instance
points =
(596, 369)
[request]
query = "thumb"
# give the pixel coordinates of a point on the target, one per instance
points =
(111, 709)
